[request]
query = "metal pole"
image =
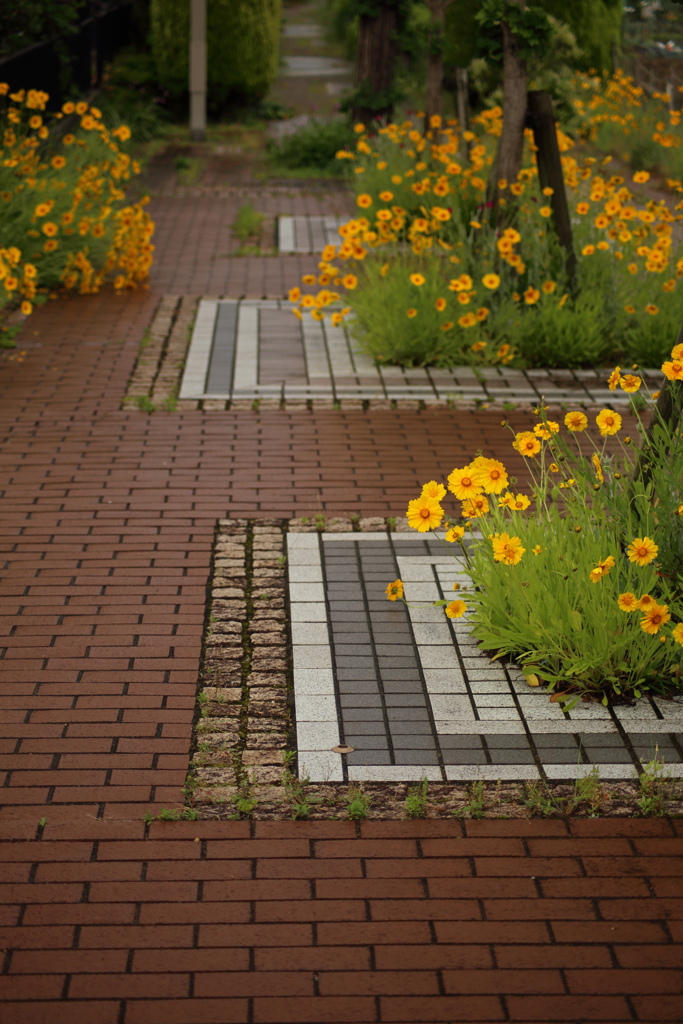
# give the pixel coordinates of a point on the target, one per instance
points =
(198, 70)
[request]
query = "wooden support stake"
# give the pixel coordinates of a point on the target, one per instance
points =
(198, 70)
(541, 120)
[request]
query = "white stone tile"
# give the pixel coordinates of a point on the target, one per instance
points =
(414, 572)
(428, 614)
(583, 711)
(310, 612)
(316, 708)
(311, 573)
(440, 680)
(474, 728)
(317, 735)
(641, 715)
(578, 771)
(439, 657)
(310, 633)
(360, 537)
(493, 700)
(490, 772)
(489, 686)
(672, 710)
(498, 714)
(422, 592)
(450, 706)
(320, 766)
(306, 592)
(311, 656)
(313, 681)
(545, 725)
(303, 556)
(300, 541)
(393, 773)
(432, 633)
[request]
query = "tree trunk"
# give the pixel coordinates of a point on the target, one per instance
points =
(514, 106)
(375, 62)
(550, 175)
(434, 89)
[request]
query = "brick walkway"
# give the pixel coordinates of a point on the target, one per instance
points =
(108, 522)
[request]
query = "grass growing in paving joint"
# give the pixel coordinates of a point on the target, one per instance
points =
(247, 223)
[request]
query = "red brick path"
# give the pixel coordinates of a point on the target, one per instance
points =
(107, 525)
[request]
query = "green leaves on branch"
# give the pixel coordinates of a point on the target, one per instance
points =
(530, 25)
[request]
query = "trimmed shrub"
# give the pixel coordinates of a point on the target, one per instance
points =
(243, 47)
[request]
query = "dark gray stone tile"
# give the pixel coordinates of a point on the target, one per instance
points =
(509, 742)
(363, 729)
(401, 727)
(500, 756)
(601, 739)
(404, 700)
(346, 651)
(412, 714)
(416, 757)
(402, 742)
(361, 757)
(463, 756)
(608, 755)
(361, 703)
(402, 686)
(559, 755)
(401, 675)
(363, 714)
(464, 742)
(348, 686)
(345, 661)
(551, 740)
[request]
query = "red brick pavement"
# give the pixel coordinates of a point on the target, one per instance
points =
(107, 524)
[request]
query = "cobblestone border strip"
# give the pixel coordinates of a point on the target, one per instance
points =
(156, 377)
(244, 743)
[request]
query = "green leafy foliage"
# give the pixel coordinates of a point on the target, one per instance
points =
(242, 40)
(313, 147)
(416, 800)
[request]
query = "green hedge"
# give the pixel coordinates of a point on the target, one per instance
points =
(243, 47)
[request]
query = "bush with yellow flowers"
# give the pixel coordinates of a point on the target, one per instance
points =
(65, 221)
(620, 117)
(580, 580)
(438, 270)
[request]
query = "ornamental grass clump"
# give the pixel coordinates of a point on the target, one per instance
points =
(578, 577)
(65, 222)
(493, 284)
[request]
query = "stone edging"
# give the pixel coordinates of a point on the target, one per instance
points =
(244, 759)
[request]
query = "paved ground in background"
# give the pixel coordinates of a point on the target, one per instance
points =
(108, 520)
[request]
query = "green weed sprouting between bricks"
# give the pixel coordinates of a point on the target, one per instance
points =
(171, 814)
(587, 791)
(656, 788)
(145, 403)
(477, 805)
(295, 789)
(416, 800)
(357, 804)
(247, 223)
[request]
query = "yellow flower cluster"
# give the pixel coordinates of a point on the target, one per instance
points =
(62, 191)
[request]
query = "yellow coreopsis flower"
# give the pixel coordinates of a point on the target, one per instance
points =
(417, 279)
(653, 619)
(526, 443)
(507, 549)
(628, 602)
(424, 514)
(489, 474)
(455, 533)
(642, 551)
(608, 422)
(614, 378)
(677, 634)
(456, 609)
(576, 421)
(474, 508)
(491, 281)
(597, 464)
(394, 591)
(673, 370)
(463, 484)
(433, 489)
(630, 383)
